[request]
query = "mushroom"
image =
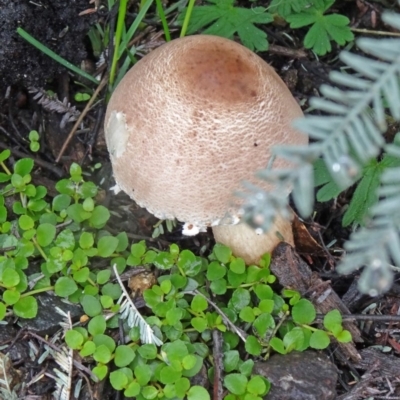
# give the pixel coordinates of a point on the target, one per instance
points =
(192, 120)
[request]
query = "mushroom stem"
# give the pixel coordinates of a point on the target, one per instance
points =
(247, 244)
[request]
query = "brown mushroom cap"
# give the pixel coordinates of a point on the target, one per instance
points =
(191, 121)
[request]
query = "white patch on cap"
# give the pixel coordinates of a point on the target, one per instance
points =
(117, 134)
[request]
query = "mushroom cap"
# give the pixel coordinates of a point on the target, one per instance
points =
(193, 119)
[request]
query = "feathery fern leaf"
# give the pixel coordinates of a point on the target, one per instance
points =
(347, 138)
(132, 316)
(7, 378)
(64, 358)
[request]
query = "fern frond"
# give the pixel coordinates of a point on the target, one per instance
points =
(377, 245)
(63, 379)
(7, 375)
(64, 359)
(131, 315)
(347, 138)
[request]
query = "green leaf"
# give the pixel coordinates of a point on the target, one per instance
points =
(65, 240)
(237, 266)
(246, 367)
(223, 19)
(240, 299)
(124, 355)
(106, 341)
(181, 386)
(247, 314)
(277, 344)
(344, 336)
(23, 167)
(100, 371)
(215, 270)
(143, 374)
(176, 350)
(4, 155)
(97, 325)
(324, 29)
(198, 393)
(263, 323)
(236, 383)
(102, 354)
(88, 349)
(65, 286)
(287, 7)
(132, 390)
(231, 360)
(169, 375)
(123, 242)
(189, 361)
(256, 385)
(91, 305)
(199, 303)
(253, 346)
(263, 292)
(148, 351)
(149, 392)
(303, 312)
(25, 222)
(10, 277)
(221, 252)
(164, 260)
(199, 323)
(333, 321)
(74, 339)
(294, 339)
(99, 217)
(79, 96)
(119, 380)
(45, 234)
(34, 135)
(26, 307)
(319, 340)
(103, 276)
(366, 195)
(11, 296)
(106, 246)
(3, 311)
(189, 263)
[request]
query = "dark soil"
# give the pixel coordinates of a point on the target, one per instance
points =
(58, 25)
(54, 23)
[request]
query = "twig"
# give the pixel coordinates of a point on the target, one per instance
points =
(83, 114)
(218, 390)
(378, 33)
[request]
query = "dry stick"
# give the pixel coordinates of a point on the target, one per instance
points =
(218, 390)
(80, 119)
(365, 317)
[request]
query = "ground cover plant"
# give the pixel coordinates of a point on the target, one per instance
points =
(158, 348)
(191, 297)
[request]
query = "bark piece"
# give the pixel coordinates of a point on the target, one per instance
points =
(294, 273)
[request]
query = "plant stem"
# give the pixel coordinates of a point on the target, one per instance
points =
(164, 22)
(117, 39)
(41, 290)
(187, 18)
(39, 248)
(7, 171)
